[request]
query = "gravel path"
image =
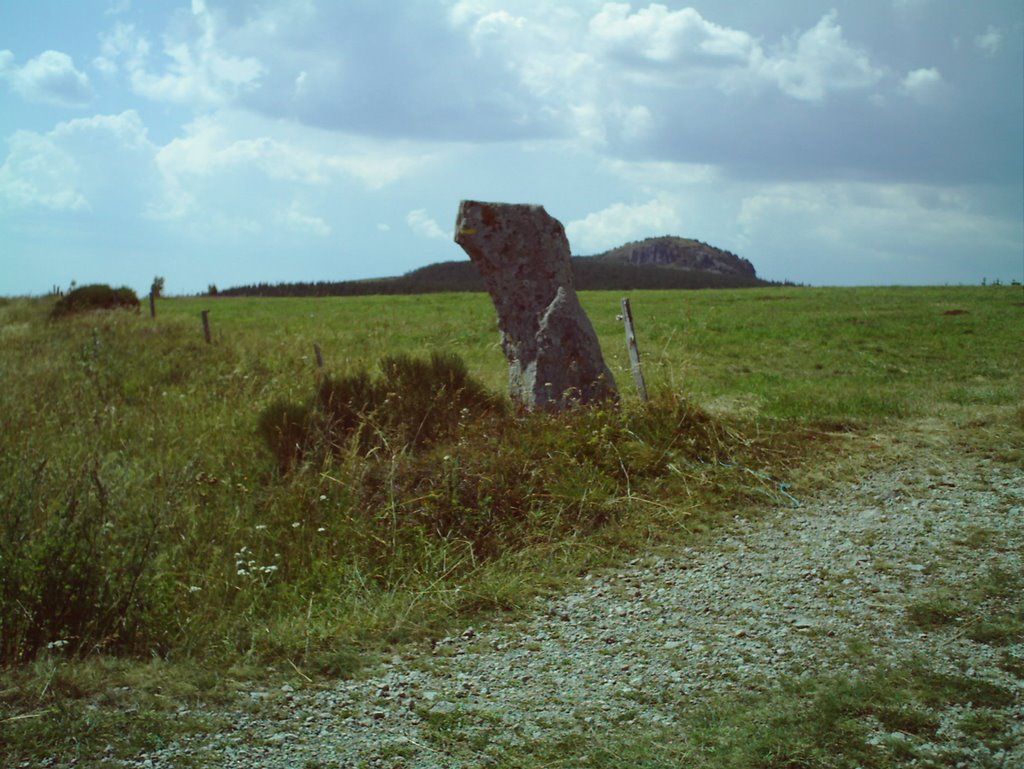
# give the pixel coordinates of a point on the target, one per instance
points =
(784, 594)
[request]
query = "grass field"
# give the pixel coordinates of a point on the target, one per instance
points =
(806, 354)
(148, 539)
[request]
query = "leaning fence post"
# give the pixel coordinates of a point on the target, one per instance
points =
(206, 325)
(319, 355)
(634, 352)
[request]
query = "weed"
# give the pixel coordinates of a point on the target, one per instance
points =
(1000, 629)
(79, 575)
(97, 710)
(977, 537)
(938, 610)
(1012, 664)
(286, 429)
(987, 606)
(986, 725)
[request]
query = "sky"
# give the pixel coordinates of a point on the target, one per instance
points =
(229, 142)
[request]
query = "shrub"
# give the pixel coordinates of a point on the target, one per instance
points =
(97, 296)
(286, 430)
(421, 402)
(413, 404)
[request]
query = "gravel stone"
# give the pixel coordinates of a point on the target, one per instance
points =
(779, 595)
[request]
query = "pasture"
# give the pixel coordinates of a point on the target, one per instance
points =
(147, 535)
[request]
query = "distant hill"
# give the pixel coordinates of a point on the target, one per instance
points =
(681, 254)
(666, 262)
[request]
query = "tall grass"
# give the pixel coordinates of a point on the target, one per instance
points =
(143, 515)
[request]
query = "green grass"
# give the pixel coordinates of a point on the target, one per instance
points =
(878, 716)
(810, 354)
(988, 609)
(142, 516)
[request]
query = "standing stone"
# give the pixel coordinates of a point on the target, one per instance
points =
(523, 256)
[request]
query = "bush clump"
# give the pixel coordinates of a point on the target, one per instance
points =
(97, 296)
(414, 403)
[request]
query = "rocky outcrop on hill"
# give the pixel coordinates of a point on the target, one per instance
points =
(679, 253)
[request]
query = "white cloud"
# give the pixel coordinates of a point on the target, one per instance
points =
(299, 221)
(660, 175)
(925, 86)
(464, 11)
(540, 50)
(808, 67)
(228, 143)
(117, 7)
(659, 35)
(620, 223)
(989, 42)
(821, 60)
(423, 225)
(38, 173)
(50, 78)
(123, 42)
(635, 121)
(493, 26)
(617, 77)
(866, 233)
(199, 71)
(596, 124)
(80, 165)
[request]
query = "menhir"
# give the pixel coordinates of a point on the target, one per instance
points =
(523, 256)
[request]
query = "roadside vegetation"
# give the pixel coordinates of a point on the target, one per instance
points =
(177, 517)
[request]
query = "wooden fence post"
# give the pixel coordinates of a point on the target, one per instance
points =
(206, 325)
(634, 352)
(319, 356)
(152, 305)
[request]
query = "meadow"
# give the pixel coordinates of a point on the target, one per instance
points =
(148, 536)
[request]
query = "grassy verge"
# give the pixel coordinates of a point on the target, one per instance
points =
(142, 517)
